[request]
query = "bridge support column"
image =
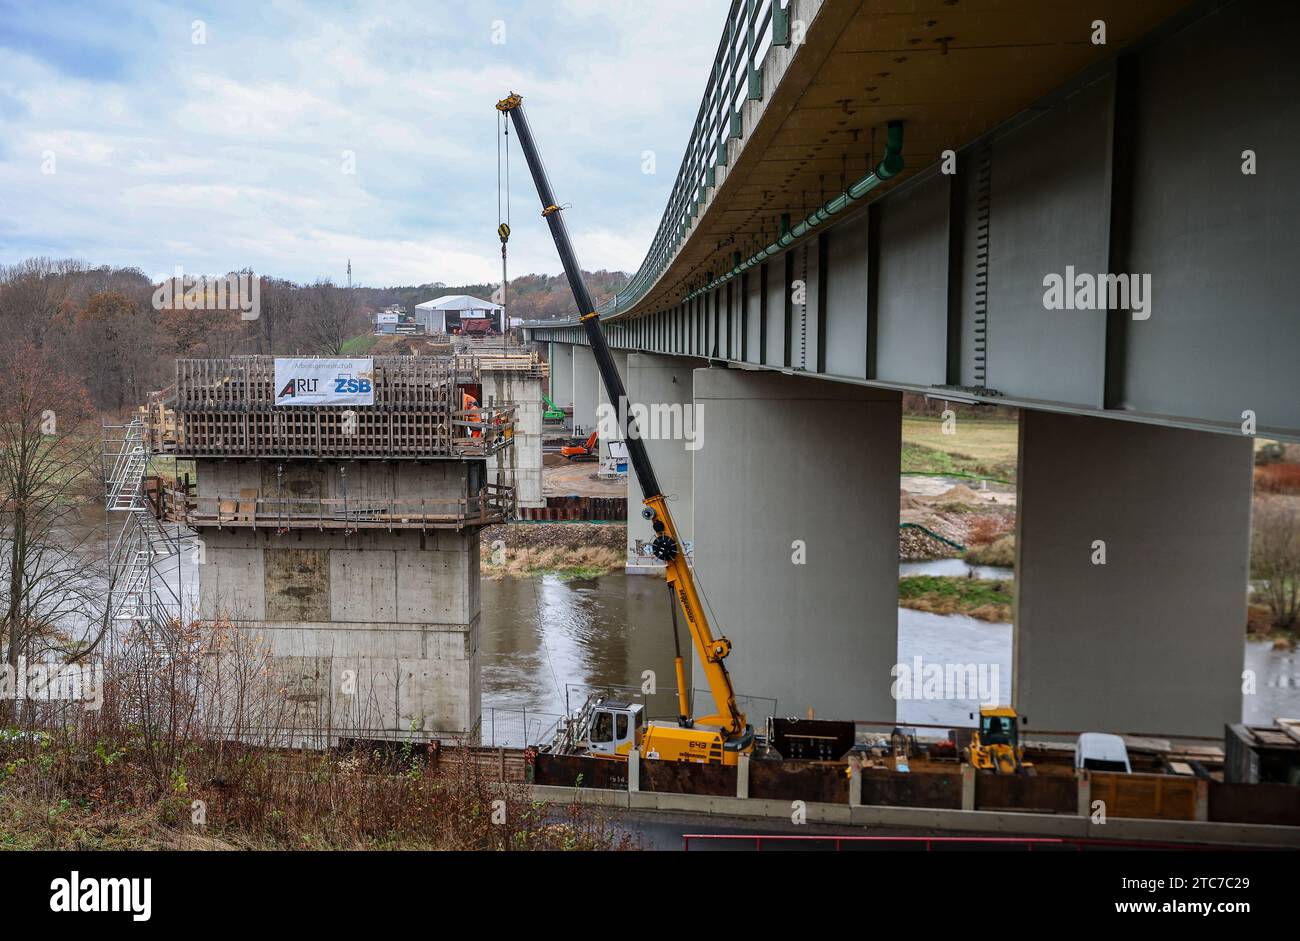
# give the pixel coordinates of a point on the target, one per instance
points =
(519, 465)
(796, 534)
(620, 363)
(665, 386)
(1133, 546)
(586, 380)
(561, 363)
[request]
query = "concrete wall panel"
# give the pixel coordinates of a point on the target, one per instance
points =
(297, 584)
(363, 586)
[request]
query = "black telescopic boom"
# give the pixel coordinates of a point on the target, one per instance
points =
(586, 308)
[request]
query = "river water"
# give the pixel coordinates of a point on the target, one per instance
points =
(545, 642)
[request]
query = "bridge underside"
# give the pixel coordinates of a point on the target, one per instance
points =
(1170, 156)
(1175, 163)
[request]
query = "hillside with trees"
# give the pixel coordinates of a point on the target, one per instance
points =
(105, 329)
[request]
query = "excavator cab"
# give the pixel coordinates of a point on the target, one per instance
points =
(615, 728)
(998, 729)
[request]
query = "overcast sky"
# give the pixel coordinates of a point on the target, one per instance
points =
(125, 141)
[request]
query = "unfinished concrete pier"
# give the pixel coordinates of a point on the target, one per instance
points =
(345, 538)
(518, 381)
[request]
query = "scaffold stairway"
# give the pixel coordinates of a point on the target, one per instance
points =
(143, 539)
(126, 478)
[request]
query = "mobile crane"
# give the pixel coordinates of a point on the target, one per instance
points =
(611, 729)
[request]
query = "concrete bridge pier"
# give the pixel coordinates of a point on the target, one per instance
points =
(796, 537)
(586, 382)
(560, 359)
(620, 363)
(372, 633)
(1133, 548)
(665, 385)
(520, 465)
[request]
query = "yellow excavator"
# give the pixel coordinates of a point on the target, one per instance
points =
(608, 728)
(996, 746)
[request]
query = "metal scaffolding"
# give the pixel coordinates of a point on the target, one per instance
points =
(139, 594)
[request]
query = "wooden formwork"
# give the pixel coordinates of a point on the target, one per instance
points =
(177, 505)
(226, 408)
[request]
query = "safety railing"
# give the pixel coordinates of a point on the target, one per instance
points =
(751, 29)
(508, 727)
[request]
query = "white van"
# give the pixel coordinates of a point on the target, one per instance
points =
(1099, 751)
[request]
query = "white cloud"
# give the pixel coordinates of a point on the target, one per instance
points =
(230, 154)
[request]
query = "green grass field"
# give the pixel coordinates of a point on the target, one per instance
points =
(359, 346)
(941, 594)
(982, 448)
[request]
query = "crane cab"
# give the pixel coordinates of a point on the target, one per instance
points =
(614, 729)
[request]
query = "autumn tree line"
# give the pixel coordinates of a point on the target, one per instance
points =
(104, 330)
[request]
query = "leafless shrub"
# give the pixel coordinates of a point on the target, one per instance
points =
(1275, 557)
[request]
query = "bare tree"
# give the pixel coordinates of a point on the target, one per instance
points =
(332, 317)
(32, 294)
(1275, 557)
(276, 318)
(47, 465)
(113, 344)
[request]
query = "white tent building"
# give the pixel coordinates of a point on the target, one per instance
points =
(444, 314)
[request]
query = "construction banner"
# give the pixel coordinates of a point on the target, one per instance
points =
(312, 381)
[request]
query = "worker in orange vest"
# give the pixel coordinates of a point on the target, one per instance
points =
(470, 404)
